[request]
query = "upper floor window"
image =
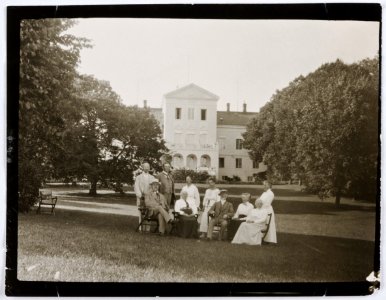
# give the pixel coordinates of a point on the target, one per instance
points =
(178, 113)
(178, 138)
(203, 114)
(221, 143)
(255, 164)
(239, 163)
(190, 139)
(239, 144)
(221, 162)
(191, 113)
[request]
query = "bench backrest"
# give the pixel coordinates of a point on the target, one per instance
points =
(46, 194)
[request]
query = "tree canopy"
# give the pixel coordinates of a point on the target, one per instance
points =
(73, 125)
(323, 130)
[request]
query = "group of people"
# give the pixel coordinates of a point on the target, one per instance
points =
(198, 220)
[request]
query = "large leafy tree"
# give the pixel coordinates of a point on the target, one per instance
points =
(110, 140)
(48, 59)
(325, 130)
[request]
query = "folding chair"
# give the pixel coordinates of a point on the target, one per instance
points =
(147, 221)
(46, 199)
(266, 229)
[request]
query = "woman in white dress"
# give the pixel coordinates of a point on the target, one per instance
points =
(249, 232)
(211, 196)
(192, 191)
(267, 198)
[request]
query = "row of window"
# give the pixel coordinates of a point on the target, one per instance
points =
(190, 114)
(238, 161)
(190, 138)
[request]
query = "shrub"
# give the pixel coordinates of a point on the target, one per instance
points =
(197, 177)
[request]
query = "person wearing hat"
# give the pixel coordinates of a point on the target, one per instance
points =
(156, 203)
(220, 212)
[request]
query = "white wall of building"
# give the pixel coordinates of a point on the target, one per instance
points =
(191, 140)
(227, 136)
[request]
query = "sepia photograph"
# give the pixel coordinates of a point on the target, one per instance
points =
(196, 150)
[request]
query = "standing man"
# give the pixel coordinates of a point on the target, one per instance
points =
(167, 183)
(266, 198)
(142, 185)
(221, 211)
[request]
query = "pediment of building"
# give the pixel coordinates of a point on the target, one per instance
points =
(191, 91)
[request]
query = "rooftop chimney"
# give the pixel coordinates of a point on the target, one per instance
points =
(228, 107)
(244, 107)
(145, 103)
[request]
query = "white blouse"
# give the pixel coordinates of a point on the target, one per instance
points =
(193, 193)
(243, 209)
(211, 196)
(180, 204)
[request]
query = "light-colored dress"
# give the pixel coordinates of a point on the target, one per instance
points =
(243, 209)
(250, 233)
(193, 193)
(210, 198)
(267, 198)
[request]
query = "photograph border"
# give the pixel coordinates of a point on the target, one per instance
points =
(14, 287)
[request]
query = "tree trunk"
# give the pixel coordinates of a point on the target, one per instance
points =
(93, 187)
(337, 198)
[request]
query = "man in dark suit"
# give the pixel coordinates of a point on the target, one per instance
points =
(221, 211)
(167, 183)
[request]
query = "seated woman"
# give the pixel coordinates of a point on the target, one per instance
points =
(249, 232)
(187, 226)
(243, 210)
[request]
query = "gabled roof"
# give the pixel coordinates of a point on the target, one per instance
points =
(234, 118)
(192, 92)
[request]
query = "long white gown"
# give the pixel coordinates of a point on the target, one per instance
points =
(267, 198)
(210, 198)
(250, 233)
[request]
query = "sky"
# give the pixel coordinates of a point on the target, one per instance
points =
(241, 61)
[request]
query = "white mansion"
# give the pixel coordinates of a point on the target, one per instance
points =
(201, 138)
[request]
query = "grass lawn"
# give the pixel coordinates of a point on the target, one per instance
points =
(82, 246)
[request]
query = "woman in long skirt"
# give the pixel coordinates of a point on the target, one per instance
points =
(187, 222)
(210, 198)
(249, 232)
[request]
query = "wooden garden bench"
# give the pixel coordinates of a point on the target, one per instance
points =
(46, 199)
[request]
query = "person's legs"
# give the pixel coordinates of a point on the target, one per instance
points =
(224, 224)
(168, 198)
(212, 222)
(162, 224)
(164, 214)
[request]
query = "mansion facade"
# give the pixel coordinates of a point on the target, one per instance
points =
(203, 139)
